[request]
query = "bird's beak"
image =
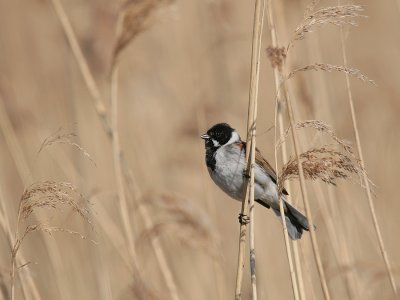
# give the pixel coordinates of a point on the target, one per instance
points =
(205, 136)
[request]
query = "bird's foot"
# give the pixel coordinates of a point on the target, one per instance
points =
(243, 219)
(245, 175)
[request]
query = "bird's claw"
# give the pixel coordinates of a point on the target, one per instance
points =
(245, 175)
(243, 219)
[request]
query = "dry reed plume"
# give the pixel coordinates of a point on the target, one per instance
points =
(321, 163)
(66, 138)
(329, 68)
(135, 16)
(336, 15)
(46, 195)
(320, 126)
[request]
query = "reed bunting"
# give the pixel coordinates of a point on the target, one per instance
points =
(225, 159)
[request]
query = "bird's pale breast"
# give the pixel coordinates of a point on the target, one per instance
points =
(228, 175)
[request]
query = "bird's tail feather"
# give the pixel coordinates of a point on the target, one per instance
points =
(296, 222)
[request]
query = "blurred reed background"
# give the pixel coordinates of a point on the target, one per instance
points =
(184, 67)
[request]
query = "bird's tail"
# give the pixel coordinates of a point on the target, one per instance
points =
(296, 222)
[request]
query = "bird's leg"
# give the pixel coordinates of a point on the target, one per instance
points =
(243, 219)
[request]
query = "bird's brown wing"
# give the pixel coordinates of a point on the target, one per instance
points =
(262, 162)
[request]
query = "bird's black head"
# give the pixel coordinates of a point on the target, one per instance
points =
(219, 135)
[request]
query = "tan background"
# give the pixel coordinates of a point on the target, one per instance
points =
(187, 71)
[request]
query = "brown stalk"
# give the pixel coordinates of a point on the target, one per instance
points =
(364, 175)
(131, 22)
(328, 201)
(304, 194)
(101, 112)
(29, 288)
(123, 204)
(83, 66)
(339, 15)
(297, 281)
(248, 201)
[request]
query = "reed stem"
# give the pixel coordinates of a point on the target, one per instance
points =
(248, 200)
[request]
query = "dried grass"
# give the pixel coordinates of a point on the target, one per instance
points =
(125, 35)
(50, 194)
(321, 127)
(133, 18)
(329, 68)
(60, 137)
(322, 163)
(336, 15)
(135, 15)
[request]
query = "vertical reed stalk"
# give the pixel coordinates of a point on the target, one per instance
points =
(250, 154)
(29, 288)
(83, 65)
(14, 251)
(304, 195)
(102, 114)
(278, 114)
(365, 176)
(155, 241)
(123, 205)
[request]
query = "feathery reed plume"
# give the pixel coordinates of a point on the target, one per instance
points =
(329, 68)
(321, 127)
(181, 218)
(336, 15)
(66, 138)
(321, 163)
(248, 199)
(50, 195)
(135, 16)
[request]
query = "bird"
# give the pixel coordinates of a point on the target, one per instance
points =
(225, 158)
